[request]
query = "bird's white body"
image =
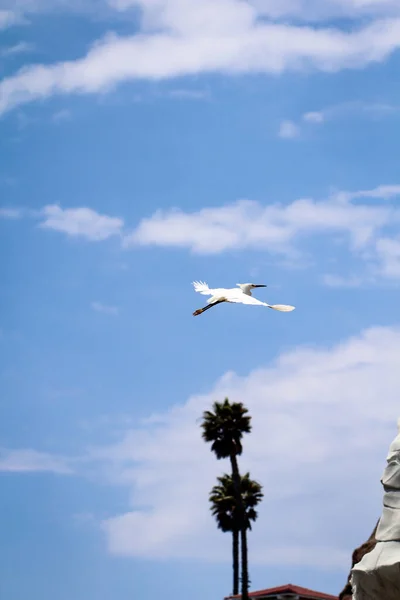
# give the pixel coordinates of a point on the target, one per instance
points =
(239, 295)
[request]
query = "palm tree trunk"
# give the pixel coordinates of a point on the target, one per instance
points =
(235, 553)
(241, 521)
(245, 566)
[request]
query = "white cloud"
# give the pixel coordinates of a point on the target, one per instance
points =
(288, 130)
(83, 222)
(323, 419)
(29, 461)
(366, 219)
(358, 217)
(187, 37)
(272, 227)
(104, 308)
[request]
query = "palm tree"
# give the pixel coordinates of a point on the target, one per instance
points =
(223, 503)
(223, 508)
(251, 492)
(224, 427)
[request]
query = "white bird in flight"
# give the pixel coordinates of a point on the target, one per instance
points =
(240, 295)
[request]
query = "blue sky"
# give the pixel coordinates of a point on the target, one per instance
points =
(145, 145)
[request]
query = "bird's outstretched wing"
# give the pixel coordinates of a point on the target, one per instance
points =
(202, 288)
(241, 298)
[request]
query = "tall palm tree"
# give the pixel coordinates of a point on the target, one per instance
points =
(223, 508)
(224, 427)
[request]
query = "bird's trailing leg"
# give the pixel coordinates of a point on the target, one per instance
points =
(201, 310)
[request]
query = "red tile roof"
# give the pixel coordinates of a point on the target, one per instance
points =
(289, 589)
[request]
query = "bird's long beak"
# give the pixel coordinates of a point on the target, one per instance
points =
(259, 285)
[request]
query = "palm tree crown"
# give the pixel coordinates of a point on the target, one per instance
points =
(223, 503)
(224, 427)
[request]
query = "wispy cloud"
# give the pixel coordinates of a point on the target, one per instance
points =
(20, 48)
(11, 213)
(314, 117)
(61, 115)
(104, 308)
(383, 192)
(8, 18)
(288, 130)
(294, 450)
(234, 39)
(355, 109)
(31, 461)
(388, 252)
(82, 222)
(337, 281)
